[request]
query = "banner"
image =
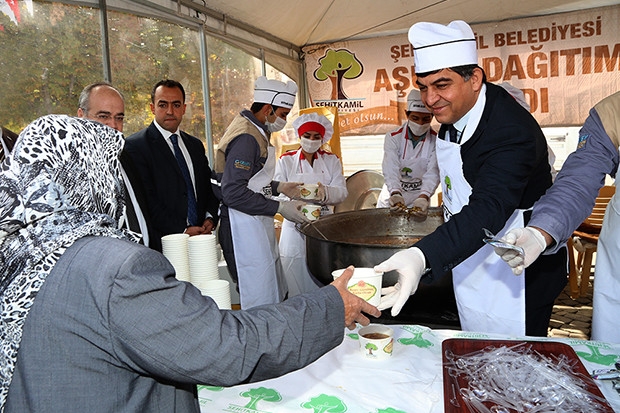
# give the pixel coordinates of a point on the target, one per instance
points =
(564, 63)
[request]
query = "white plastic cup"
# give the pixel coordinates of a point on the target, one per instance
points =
(311, 211)
(376, 341)
(309, 191)
(365, 283)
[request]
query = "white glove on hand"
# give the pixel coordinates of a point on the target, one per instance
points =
(410, 264)
(397, 201)
(528, 238)
(420, 207)
(290, 189)
(291, 210)
(321, 193)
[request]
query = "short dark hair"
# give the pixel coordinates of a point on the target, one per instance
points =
(84, 100)
(257, 106)
(167, 83)
(465, 71)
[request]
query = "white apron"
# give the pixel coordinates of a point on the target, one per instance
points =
(293, 245)
(606, 297)
(259, 270)
(490, 298)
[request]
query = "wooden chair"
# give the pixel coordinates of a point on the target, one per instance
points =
(585, 239)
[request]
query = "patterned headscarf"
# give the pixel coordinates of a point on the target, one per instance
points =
(62, 182)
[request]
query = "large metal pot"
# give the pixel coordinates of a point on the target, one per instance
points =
(362, 238)
(367, 237)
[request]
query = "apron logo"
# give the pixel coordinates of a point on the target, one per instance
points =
(245, 165)
(411, 185)
(582, 141)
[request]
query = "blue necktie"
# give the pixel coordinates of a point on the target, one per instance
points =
(192, 209)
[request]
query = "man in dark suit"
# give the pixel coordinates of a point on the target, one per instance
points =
(493, 164)
(173, 169)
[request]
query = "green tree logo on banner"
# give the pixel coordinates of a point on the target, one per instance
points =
(335, 66)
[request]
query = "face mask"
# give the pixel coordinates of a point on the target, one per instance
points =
(309, 145)
(417, 129)
(277, 125)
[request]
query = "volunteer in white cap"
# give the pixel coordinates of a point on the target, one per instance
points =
(409, 161)
(493, 166)
(311, 165)
(244, 166)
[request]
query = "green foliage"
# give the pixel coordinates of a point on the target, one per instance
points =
(45, 61)
(48, 58)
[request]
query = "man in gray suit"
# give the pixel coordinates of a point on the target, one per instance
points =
(91, 321)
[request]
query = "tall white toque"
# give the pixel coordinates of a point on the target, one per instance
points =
(437, 47)
(414, 102)
(274, 92)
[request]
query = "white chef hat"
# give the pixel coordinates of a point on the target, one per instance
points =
(414, 102)
(274, 92)
(516, 93)
(437, 47)
(314, 122)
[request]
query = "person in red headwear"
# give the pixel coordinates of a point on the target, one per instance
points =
(309, 164)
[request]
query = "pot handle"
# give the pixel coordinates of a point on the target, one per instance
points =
(310, 224)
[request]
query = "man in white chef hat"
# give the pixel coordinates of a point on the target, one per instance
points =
(492, 158)
(244, 168)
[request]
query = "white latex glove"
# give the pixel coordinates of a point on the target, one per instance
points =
(290, 189)
(321, 193)
(410, 264)
(397, 201)
(420, 207)
(291, 210)
(528, 238)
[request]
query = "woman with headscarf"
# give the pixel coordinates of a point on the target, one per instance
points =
(91, 321)
(311, 165)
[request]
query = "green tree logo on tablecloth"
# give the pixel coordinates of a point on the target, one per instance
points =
(416, 340)
(325, 404)
(390, 410)
(261, 393)
(595, 356)
(211, 388)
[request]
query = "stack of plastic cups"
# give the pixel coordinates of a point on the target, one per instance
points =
(219, 291)
(203, 259)
(174, 247)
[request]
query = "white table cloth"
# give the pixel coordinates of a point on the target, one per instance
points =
(411, 381)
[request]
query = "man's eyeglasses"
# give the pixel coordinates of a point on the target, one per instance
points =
(106, 117)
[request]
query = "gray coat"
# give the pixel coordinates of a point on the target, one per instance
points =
(112, 330)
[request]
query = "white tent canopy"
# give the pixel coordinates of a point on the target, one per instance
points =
(279, 29)
(303, 22)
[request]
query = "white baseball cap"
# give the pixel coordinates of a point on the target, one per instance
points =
(414, 102)
(274, 92)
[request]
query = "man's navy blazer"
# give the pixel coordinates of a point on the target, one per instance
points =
(164, 185)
